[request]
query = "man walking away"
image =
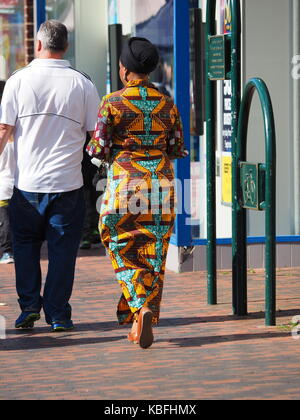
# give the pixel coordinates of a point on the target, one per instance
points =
(7, 168)
(49, 107)
(6, 190)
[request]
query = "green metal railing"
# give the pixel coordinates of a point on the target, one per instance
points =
(210, 93)
(259, 179)
(232, 71)
(239, 253)
(263, 186)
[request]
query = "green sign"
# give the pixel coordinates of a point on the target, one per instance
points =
(216, 58)
(249, 177)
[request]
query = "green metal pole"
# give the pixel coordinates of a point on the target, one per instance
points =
(239, 246)
(270, 180)
(270, 208)
(211, 110)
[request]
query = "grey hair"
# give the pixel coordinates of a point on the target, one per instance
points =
(53, 35)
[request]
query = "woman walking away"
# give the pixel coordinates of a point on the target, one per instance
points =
(138, 133)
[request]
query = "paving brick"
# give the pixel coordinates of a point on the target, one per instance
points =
(200, 351)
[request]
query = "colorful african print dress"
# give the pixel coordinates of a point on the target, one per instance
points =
(138, 133)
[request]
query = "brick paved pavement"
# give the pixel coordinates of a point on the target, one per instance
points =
(201, 352)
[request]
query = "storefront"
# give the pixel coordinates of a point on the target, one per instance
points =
(270, 48)
(11, 36)
(87, 40)
(267, 52)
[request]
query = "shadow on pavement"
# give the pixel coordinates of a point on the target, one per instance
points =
(175, 322)
(30, 339)
(80, 327)
(204, 341)
(31, 342)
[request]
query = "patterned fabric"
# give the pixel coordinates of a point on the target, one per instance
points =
(138, 131)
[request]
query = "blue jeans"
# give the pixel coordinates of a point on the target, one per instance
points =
(58, 219)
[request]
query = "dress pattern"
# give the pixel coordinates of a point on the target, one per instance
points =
(138, 133)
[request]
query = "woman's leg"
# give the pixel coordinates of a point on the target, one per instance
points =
(138, 257)
(138, 241)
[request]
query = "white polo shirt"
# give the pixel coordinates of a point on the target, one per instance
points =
(52, 106)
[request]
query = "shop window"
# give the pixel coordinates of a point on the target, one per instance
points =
(12, 55)
(154, 21)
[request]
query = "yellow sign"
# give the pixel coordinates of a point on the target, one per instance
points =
(226, 180)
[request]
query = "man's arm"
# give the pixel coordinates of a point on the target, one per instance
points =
(5, 132)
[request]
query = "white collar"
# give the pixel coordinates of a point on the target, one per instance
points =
(49, 62)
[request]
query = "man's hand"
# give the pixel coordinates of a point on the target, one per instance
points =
(6, 132)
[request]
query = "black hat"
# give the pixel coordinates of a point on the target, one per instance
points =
(139, 56)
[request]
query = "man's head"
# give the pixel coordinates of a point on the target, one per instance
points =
(52, 40)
